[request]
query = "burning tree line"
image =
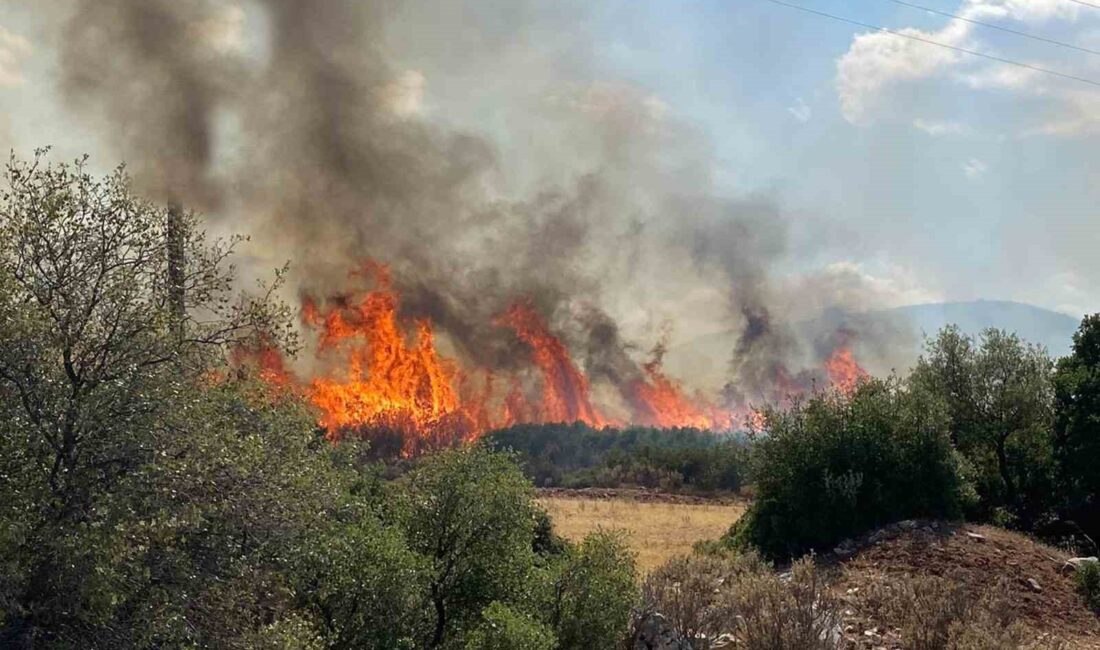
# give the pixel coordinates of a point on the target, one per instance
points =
(378, 374)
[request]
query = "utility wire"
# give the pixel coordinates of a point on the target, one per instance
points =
(929, 41)
(1087, 4)
(997, 27)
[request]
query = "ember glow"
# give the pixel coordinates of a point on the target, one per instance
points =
(377, 374)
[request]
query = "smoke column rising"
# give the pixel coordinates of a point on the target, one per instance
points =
(603, 223)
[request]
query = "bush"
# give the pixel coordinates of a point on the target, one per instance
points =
(471, 516)
(367, 587)
(703, 597)
(503, 628)
(837, 465)
(594, 590)
(577, 455)
(936, 613)
(1088, 584)
(691, 591)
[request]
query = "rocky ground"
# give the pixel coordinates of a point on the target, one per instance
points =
(1039, 585)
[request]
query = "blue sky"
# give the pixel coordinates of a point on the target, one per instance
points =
(956, 183)
(924, 174)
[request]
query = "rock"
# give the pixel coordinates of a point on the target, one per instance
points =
(1075, 563)
(976, 537)
(845, 549)
(908, 524)
(1034, 585)
(655, 633)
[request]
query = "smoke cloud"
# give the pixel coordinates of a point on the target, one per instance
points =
(320, 130)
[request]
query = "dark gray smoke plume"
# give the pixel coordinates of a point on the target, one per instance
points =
(311, 131)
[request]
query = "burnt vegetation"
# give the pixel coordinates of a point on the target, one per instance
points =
(155, 493)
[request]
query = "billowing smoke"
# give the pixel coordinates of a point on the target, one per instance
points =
(311, 126)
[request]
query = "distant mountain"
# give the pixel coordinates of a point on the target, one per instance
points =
(889, 338)
(1035, 324)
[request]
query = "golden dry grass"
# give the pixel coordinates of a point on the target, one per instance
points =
(656, 530)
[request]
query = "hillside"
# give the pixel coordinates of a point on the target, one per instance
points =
(979, 560)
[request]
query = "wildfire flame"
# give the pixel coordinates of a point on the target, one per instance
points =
(564, 387)
(388, 380)
(660, 401)
(382, 378)
(843, 371)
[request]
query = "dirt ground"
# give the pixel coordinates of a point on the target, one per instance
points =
(979, 557)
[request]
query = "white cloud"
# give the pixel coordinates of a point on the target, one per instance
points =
(878, 60)
(801, 111)
(938, 128)
(878, 63)
(13, 50)
(975, 168)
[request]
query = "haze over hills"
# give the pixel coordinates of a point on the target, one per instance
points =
(900, 330)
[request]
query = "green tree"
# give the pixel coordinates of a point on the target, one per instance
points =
(365, 585)
(592, 592)
(1077, 426)
(140, 496)
(999, 392)
(503, 628)
(470, 515)
(835, 465)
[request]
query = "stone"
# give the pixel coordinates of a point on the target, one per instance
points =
(1074, 564)
(654, 632)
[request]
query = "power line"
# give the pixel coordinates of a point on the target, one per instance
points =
(997, 27)
(1087, 4)
(929, 41)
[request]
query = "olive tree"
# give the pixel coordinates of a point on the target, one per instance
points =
(104, 365)
(1000, 393)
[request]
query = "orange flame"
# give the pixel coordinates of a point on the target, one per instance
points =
(383, 379)
(564, 387)
(387, 381)
(843, 370)
(659, 401)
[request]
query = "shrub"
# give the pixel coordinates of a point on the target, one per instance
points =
(1088, 584)
(594, 590)
(836, 465)
(367, 587)
(771, 613)
(935, 613)
(704, 597)
(503, 628)
(470, 514)
(689, 592)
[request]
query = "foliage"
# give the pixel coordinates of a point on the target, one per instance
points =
(470, 515)
(139, 493)
(592, 592)
(577, 455)
(704, 597)
(935, 612)
(691, 592)
(1077, 427)
(503, 628)
(836, 465)
(1088, 584)
(365, 586)
(999, 395)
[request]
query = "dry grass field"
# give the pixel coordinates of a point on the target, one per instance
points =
(657, 530)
